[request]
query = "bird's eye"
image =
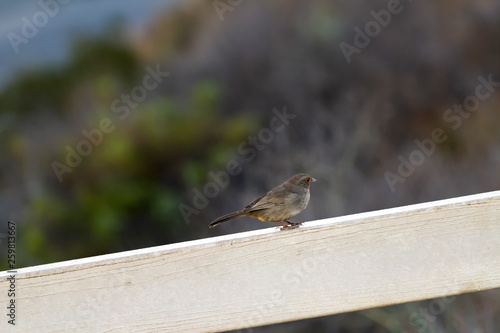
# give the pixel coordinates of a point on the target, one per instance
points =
(308, 180)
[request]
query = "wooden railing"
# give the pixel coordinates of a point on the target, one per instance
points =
(237, 281)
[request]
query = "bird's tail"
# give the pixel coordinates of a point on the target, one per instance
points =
(225, 218)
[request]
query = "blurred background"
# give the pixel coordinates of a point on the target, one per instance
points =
(115, 115)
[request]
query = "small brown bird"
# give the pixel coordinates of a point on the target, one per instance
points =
(278, 205)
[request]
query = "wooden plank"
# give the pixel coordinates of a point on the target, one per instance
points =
(268, 276)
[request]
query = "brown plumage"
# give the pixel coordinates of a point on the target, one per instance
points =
(278, 205)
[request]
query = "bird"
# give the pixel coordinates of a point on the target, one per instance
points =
(278, 205)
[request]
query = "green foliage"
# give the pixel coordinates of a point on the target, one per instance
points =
(38, 90)
(125, 194)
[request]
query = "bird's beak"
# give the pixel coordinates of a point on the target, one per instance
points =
(313, 180)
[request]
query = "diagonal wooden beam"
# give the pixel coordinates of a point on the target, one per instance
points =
(329, 266)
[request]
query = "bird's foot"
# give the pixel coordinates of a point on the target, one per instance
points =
(289, 225)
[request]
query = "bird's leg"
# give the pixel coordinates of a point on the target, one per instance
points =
(289, 225)
(294, 224)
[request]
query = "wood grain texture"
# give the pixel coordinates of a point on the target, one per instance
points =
(268, 276)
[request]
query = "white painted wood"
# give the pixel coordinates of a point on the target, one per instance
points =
(268, 276)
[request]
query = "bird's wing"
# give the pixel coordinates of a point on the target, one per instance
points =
(271, 199)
